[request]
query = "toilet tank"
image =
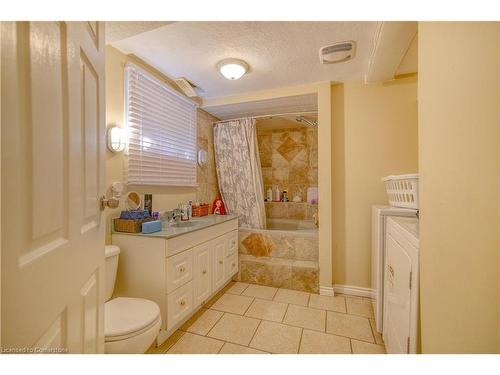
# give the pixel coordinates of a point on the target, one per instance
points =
(111, 253)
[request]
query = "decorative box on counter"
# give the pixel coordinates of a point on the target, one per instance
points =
(201, 210)
(131, 221)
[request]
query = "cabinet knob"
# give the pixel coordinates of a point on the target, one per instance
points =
(234, 264)
(182, 269)
(183, 303)
(204, 271)
(220, 261)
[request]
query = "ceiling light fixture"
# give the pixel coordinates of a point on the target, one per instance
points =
(232, 68)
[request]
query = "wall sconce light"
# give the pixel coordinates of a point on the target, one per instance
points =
(116, 138)
(202, 157)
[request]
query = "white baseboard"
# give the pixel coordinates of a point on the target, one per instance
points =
(353, 290)
(326, 290)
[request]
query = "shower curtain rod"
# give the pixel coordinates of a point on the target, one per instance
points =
(272, 115)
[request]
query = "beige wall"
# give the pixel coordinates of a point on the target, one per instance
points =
(459, 186)
(164, 198)
(374, 135)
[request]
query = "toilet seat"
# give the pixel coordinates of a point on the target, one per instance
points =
(128, 317)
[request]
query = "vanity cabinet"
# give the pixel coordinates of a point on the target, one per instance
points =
(180, 273)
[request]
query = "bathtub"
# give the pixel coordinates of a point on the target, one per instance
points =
(285, 255)
(290, 225)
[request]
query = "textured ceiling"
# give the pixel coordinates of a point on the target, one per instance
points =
(289, 104)
(118, 30)
(279, 53)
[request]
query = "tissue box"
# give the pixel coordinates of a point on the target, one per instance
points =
(151, 226)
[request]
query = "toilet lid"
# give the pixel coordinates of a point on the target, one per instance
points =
(123, 316)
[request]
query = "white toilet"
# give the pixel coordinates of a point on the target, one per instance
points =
(130, 324)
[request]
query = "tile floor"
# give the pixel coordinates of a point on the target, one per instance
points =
(252, 319)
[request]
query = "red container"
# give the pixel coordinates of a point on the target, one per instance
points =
(201, 210)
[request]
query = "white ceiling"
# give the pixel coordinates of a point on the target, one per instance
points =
(118, 30)
(280, 54)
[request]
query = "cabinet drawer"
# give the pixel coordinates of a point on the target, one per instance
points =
(179, 270)
(230, 266)
(232, 243)
(179, 304)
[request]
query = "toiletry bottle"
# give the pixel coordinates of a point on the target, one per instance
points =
(285, 196)
(190, 210)
(277, 194)
(269, 194)
(184, 212)
(148, 203)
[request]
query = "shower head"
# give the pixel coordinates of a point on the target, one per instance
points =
(310, 123)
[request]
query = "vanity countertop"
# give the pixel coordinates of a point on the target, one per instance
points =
(184, 227)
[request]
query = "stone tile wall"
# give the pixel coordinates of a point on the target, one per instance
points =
(208, 187)
(278, 259)
(289, 159)
(290, 210)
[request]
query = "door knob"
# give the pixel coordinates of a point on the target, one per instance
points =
(108, 202)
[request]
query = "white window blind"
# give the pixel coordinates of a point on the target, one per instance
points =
(161, 132)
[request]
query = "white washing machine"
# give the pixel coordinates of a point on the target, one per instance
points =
(401, 285)
(379, 224)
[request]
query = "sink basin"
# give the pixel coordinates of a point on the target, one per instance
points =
(186, 224)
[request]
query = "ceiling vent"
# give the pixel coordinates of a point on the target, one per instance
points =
(337, 53)
(187, 87)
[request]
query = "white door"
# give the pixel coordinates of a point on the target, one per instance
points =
(52, 175)
(219, 261)
(202, 272)
(397, 298)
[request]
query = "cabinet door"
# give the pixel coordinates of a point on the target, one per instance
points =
(397, 301)
(202, 278)
(232, 243)
(219, 252)
(231, 266)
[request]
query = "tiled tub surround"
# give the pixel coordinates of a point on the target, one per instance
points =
(289, 159)
(290, 210)
(285, 256)
(252, 319)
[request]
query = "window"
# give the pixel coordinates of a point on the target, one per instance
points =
(161, 132)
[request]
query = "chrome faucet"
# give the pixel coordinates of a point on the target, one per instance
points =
(174, 215)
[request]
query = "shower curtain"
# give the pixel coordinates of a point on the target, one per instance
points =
(238, 171)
